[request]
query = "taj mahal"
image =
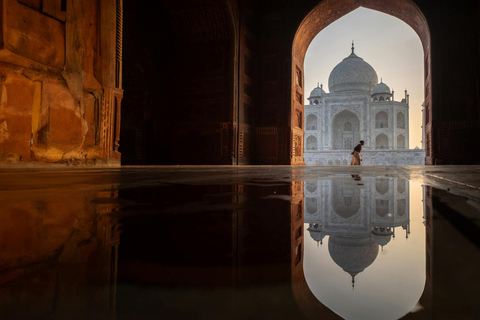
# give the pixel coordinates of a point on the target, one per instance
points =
(358, 107)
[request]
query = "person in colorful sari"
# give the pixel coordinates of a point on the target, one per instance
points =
(357, 158)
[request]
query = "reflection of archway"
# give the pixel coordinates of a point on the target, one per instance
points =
(381, 142)
(381, 185)
(325, 13)
(341, 138)
(311, 186)
(401, 207)
(345, 200)
(311, 205)
(381, 207)
(304, 274)
(401, 186)
(401, 141)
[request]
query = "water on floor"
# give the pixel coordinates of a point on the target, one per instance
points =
(234, 243)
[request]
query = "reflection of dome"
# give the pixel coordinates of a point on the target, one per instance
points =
(353, 255)
(381, 88)
(315, 231)
(352, 74)
(382, 239)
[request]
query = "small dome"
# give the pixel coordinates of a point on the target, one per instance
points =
(381, 88)
(352, 74)
(317, 93)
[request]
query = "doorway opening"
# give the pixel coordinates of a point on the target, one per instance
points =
(397, 120)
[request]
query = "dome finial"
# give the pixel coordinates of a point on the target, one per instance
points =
(353, 282)
(321, 86)
(353, 48)
(318, 84)
(381, 80)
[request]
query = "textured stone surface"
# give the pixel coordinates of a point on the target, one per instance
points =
(52, 102)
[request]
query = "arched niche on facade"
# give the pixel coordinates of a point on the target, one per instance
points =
(311, 205)
(342, 139)
(400, 141)
(381, 119)
(381, 185)
(345, 199)
(345, 162)
(400, 120)
(381, 141)
(311, 143)
(311, 122)
(401, 186)
(193, 52)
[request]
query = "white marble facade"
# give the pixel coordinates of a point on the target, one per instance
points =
(357, 108)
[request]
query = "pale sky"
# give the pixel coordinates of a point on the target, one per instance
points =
(388, 44)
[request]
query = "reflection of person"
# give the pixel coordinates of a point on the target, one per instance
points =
(357, 158)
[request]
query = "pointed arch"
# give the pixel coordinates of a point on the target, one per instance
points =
(326, 12)
(381, 141)
(311, 122)
(381, 120)
(343, 139)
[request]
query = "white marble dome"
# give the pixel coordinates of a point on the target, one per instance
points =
(317, 93)
(381, 88)
(352, 74)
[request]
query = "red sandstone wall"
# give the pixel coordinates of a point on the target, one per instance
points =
(57, 250)
(52, 102)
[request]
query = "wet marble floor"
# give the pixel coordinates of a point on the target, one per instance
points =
(250, 242)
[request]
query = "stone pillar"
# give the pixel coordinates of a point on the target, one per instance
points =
(111, 28)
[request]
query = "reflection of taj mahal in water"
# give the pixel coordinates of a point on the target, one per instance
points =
(357, 218)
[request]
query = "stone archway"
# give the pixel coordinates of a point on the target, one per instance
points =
(327, 12)
(317, 19)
